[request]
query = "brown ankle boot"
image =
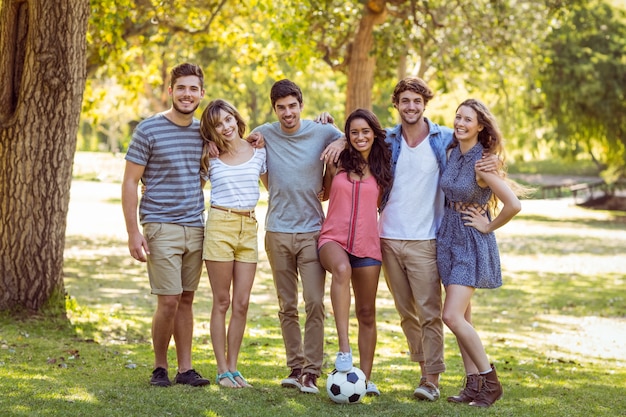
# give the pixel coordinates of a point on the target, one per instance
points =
(469, 392)
(490, 390)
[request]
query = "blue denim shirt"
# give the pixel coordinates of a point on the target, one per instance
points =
(439, 138)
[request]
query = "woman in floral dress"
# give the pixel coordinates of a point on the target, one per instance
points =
(467, 252)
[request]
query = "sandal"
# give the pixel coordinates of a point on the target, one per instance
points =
(245, 384)
(229, 376)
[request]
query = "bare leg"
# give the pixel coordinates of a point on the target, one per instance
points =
(220, 277)
(365, 286)
(335, 260)
(242, 286)
(163, 327)
(456, 305)
(468, 364)
(183, 331)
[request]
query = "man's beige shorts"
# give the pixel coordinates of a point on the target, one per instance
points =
(175, 260)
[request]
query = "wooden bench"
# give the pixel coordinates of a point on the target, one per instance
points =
(587, 189)
(553, 190)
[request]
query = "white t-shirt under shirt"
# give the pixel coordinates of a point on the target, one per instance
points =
(410, 213)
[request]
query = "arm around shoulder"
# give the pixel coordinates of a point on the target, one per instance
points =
(329, 173)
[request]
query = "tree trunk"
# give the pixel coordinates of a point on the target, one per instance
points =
(361, 61)
(42, 78)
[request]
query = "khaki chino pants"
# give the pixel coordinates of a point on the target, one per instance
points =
(410, 269)
(290, 254)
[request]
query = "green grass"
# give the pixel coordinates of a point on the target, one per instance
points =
(553, 331)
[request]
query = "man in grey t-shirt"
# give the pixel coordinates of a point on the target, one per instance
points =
(165, 154)
(294, 220)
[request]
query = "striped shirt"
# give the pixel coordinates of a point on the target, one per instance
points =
(237, 186)
(171, 157)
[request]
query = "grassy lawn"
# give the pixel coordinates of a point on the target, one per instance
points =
(556, 331)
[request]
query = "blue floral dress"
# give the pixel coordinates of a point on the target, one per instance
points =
(465, 256)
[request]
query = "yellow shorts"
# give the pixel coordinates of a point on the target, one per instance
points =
(230, 237)
(175, 260)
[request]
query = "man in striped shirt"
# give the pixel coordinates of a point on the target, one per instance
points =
(164, 154)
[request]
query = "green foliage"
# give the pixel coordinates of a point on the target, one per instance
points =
(231, 40)
(551, 71)
(555, 166)
(583, 79)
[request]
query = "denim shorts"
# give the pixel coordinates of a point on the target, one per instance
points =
(356, 262)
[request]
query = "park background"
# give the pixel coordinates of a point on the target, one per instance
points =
(79, 75)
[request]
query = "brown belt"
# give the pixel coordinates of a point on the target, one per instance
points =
(247, 213)
(460, 206)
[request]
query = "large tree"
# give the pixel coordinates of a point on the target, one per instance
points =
(42, 77)
(375, 42)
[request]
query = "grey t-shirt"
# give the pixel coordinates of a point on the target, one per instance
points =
(295, 175)
(171, 156)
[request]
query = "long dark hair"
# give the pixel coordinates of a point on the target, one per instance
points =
(379, 161)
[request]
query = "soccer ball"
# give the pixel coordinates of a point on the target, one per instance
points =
(346, 387)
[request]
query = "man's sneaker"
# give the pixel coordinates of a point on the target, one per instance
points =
(159, 378)
(426, 391)
(371, 390)
(343, 363)
(191, 377)
(293, 380)
(308, 383)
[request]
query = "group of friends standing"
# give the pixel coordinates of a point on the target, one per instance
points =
(417, 200)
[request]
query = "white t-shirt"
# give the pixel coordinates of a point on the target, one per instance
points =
(415, 207)
(237, 186)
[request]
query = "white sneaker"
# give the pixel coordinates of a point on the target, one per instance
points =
(343, 363)
(371, 390)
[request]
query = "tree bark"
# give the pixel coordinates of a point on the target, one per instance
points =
(42, 78)
(361, 61)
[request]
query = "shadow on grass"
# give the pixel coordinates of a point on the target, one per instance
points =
(534, 385)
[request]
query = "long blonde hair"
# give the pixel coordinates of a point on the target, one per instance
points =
(209, 120)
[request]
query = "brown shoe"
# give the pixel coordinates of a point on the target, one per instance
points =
(467, 394)
(293, 380)
(309, 383)
(490, 390)
(426, 391)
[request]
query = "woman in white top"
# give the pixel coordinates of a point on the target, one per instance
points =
(230, 240)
